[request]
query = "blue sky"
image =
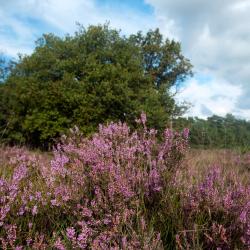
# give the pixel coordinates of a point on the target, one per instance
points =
(214, 36)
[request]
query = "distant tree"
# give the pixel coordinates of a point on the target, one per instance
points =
(92, 77)
(2, 68)
(216, 131)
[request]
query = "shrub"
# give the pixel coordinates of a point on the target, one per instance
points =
(216, 211)
(120, 189)
(96, 193)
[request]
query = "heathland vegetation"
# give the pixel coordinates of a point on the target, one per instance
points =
(124, 189)
(121, 174)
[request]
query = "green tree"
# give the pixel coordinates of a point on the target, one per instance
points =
(3, 68)
(96, 75)
(216, 131)
(162, 59)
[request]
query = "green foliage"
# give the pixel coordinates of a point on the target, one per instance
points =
(92, 77)
(1, 68)
(217, 132)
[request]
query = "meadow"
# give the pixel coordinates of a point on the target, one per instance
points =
(124, 189)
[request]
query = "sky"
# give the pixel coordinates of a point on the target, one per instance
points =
(214, 35)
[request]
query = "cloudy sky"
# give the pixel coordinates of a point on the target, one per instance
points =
(215, 36)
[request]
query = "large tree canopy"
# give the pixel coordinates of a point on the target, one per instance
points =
(92, 77)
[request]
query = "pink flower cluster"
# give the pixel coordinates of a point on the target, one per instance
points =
(92, 193)
(223, 203)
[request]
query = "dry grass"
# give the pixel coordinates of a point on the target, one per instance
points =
(199, 160)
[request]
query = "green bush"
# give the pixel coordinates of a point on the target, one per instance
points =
(95, 76)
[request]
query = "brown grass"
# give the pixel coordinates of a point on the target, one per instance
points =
(199, 160)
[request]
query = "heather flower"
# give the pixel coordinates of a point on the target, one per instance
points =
(124, 242)
(59, 245)
(86, 212)
(34, 210)
(82, 240)
(143, 118)
(70, 232)
(29, 241)
(185, 133)
(243, 216)
(54, 202)
(18, 248)
(99, 188)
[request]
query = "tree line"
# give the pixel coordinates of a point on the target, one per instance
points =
(98, 75)
(216, 131)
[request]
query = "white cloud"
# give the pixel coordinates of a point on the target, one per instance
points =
(215, 36)
(215, 96)
(14, 35)
(61, 17)
(213, 33)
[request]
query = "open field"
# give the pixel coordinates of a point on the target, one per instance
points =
(200, 160)
(122, 190)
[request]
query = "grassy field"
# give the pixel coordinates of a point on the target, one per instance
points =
(122, 190)
(200, 160)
